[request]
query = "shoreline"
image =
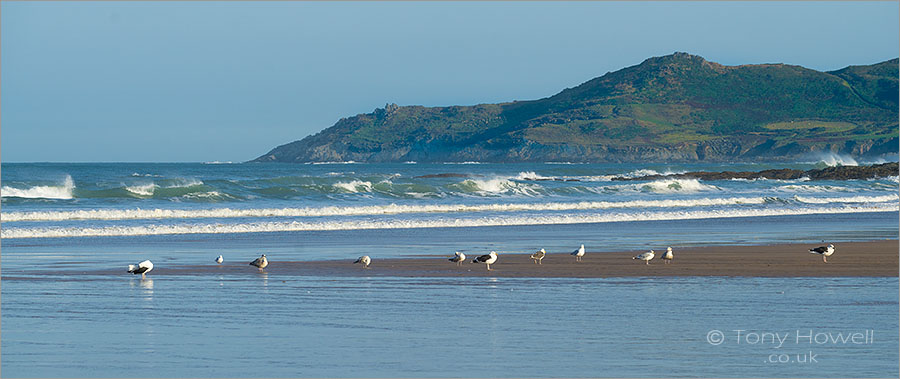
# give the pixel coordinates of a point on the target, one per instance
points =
(851, 259)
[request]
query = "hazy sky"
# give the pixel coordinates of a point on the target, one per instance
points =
(207, 81)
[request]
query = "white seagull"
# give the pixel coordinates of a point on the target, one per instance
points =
(668, 256)
(537, 257)
(458, 258)
(365, 260)
(141, 268)
(487, 259)
(646, 257)
(578, 253)
(219, 259)
(260, 262)
(824, 251)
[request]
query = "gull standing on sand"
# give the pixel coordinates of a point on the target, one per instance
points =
(668, 256)
(539, 256)
(458, 258)
(646, 257)
(824, 251)
(219, 259)
(365, 260)
(141, 268)
(578, 253)
(260, 262)
(487, 259)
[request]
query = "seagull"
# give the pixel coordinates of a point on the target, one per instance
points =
(646, 257)
(219, 259)
(824, 251)
(578, 253)
(487, 259)
(538, 256)
(141, 268)
(365, 260)
(458, 258)
(260, 262)
(668, 256)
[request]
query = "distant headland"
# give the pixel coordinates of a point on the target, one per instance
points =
(674, 108)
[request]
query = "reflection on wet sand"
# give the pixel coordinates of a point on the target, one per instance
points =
(146, 286)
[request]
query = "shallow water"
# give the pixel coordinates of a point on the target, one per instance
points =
(268, 325)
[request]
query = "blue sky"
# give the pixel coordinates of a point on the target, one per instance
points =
(228, 81)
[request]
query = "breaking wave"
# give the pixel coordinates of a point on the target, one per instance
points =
(354, 186)
(61, 192)
(259, 227)
(832, 160)
(147, 214)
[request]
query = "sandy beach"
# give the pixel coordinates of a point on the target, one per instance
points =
(851, 259)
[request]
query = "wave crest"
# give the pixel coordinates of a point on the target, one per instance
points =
(62, 192)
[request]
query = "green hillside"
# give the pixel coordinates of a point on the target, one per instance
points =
(678, 107)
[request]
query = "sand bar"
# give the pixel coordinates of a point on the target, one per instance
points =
(851, 259)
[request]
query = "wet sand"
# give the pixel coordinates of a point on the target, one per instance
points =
(851, 259)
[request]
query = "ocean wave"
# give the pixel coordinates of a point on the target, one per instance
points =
(812, 188)
(259, 227)
(142, 190)
(531, 175)
(664, 186)
(354, 186)
(850, 199)
(496, 186)
(147, 214)
(678, 185)
(60, 192)
(832, 160)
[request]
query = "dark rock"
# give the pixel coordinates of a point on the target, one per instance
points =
(828, 173)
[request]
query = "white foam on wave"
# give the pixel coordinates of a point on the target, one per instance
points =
(142, 189)
(185, 183)
(669, 186)
(53, 232)
(849, 199)
(354, 186)
(531, 175)
(61, 192)
(149, 214)
(500, 185)
(207, 195)
(812, 188)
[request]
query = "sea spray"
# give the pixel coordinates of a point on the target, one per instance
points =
(61, 192)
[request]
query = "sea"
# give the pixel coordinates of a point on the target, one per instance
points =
(62, 219)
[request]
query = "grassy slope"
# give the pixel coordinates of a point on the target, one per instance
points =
(662, 102)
